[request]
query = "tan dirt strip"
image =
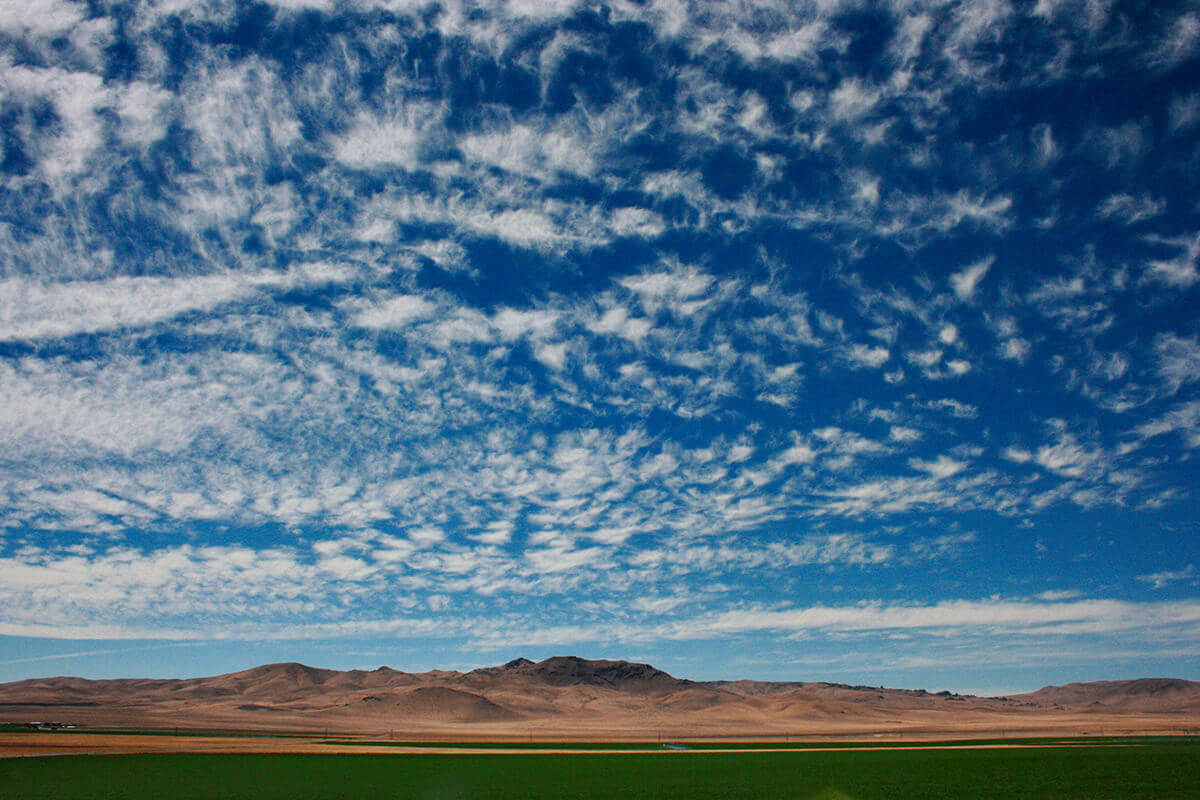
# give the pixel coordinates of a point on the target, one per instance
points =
(7, 750)
(401, 749)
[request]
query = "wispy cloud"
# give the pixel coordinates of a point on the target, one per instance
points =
(1181, 270)
(1130, 210)
(1159, 580)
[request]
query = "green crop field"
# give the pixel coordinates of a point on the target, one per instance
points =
(1158, 771)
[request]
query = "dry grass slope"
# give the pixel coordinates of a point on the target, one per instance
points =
(588, 698)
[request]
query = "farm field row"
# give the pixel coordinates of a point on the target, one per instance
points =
(1161, 770)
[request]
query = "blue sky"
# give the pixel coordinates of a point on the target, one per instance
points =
(753, 339)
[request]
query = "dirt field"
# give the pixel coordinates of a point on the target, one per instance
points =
(31, 744)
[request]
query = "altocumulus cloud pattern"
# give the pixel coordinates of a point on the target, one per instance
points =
(819, 333)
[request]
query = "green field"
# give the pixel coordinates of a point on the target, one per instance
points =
(1151, 772)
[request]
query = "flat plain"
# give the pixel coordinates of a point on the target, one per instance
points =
(1159, 769)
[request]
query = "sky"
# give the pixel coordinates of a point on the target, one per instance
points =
(783, 340)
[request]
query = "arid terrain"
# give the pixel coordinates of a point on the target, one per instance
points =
(567, 698)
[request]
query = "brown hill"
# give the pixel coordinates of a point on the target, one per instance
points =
(441, 702)
(574, 697)
(572, 671)
(1143, 694)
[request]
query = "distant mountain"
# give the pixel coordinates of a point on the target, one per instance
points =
(571, 696)
(572, 671)
(1143, 694)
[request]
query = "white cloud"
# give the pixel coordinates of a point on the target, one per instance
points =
(1067, 457)
(77, 98)
(1178, 360)
(552, 355)
(1130, 210)
(1012, 616)
(1179, 44)
(535, 323)
(681, 290)
(143, 111)
(1183, 113)
(892, 495)
(943, 467)
(1119, 145)
(462, 326)
(1015, 349)
(1018, 455)
(1090, 14)
(395, 312)
(1046, 149)
(1184, 418)
(632, 221)
(529, 222)
(928, 360)
(1159, 580)
(38, 310)
(617, 320)
(1180, 271)
(740, 452)
(954, 407)
(853, 100)
(900, 433)
(389, 141)
(238, 114)
(910, 36)
(865, 356)
(804, 42)
(1059, 290)
(523, 226)
(657, 605)
(40, 17)
(526, 151)
(967, 281)
(797, 454)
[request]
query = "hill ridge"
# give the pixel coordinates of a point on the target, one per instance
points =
(572, 694)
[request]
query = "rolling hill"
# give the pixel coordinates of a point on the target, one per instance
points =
(573, 697)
